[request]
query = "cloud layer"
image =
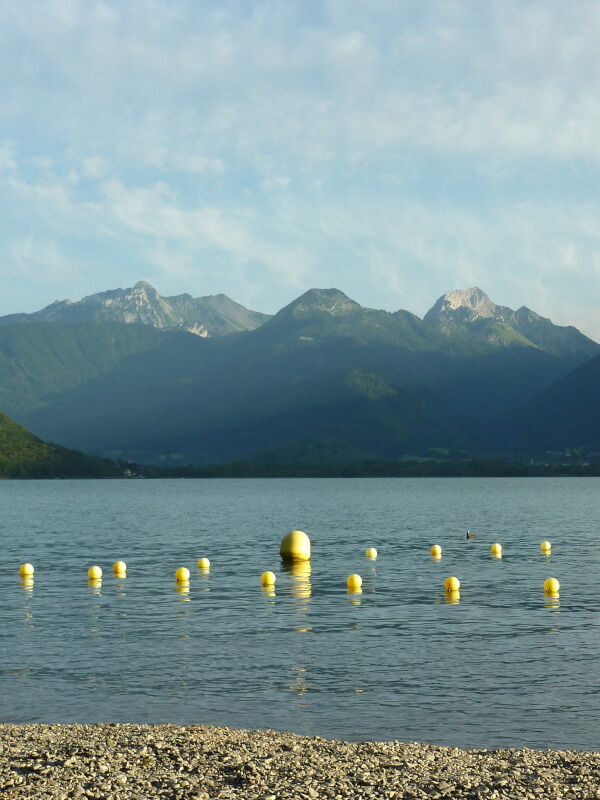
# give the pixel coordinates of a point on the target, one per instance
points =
(395, 151)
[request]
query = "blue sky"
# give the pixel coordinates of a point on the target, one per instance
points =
(392, 149)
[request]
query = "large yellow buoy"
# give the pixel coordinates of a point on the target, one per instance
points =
(496, 549)
(268, 578)
(545, 547)
(436, 550)
(204, 563)
(354, 581)
(371, 553)
(119, 568)
(182, 574)
(26, 570)
(94, 573)
(295, 546)
(551, 586)
(452, 584)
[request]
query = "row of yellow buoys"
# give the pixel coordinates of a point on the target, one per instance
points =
(295, 546)
(495, 549)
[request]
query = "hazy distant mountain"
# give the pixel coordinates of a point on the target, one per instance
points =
(215, 315)
(324, 379)
(473, 309)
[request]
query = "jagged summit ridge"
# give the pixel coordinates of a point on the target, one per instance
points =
(473, 299)
(214, 315)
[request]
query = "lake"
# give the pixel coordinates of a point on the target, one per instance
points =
(502, 665)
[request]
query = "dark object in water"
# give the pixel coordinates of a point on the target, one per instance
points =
(471, 535)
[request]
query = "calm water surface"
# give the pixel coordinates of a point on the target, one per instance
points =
(504, 666)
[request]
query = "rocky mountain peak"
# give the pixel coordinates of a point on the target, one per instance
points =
(473, 299)
(143, 287)
(331, 301)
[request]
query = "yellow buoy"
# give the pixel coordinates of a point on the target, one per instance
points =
(551, 585)
(545, 547)
(182, 575)
(204, 563)
(119, 567)
(371, 553)
(496, 549)
(26, 570)
(354, 581)
(268, 578)
(436, 550)
(295, 546)
(94, 573)
(452, 584)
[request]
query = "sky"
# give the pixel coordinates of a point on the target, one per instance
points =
(394, 149)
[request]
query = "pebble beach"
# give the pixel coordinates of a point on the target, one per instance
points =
(115, 762)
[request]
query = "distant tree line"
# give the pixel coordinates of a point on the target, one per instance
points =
(372, 469)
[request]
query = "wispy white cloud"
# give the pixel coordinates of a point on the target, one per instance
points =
(395, 150)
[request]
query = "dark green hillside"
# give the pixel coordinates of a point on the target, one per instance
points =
(23, 455)
(40, 360)
(562, 420)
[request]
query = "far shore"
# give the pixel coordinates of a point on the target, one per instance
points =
(198, 761)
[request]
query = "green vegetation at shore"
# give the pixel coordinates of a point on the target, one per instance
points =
(23, 455)
(372, 469)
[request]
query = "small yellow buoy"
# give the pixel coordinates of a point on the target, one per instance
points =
(371, 553)
(295, 546)
(94, 573)
(26, 570)
(496, 549)
(268, 578)
(354, 581)
(545, 547)
(204, 563)
(119, 568)
(551, 585)
(452, 584)
(182, 575)
(436, 550)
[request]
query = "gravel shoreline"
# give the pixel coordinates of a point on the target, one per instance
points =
(115, 762)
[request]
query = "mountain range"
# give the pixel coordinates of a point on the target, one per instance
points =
(121, 374)
(215, 315)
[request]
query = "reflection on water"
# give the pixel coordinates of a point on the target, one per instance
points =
(182, 588)
(26, 584)
(302, 680)
(300, 590)
(299, 572)
(551, 600)
(452, 598)
(268, 591)
(95, 585)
